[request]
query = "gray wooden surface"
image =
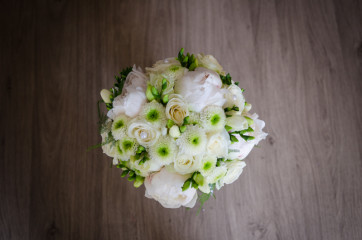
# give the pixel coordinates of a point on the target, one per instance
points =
(299, 61)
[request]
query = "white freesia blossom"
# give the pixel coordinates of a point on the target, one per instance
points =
(234, 169)
(144, 132)
(109, 149)
(237, 123)
(234, 97)
(241, 149)
(133, 95)
(174, 131)
(166, 188)
(187, 163)
(210, 62)
(176, 109)
(201, 88)
(218, 144)
(105, 94)
(146, 168)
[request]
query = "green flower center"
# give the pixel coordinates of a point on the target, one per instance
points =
(215, 119)
(127, 145)
(207, 166)
(195, 141)
(163, 151)
(119, 124)
(152, 115)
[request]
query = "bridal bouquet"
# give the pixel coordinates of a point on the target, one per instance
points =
(182, 125)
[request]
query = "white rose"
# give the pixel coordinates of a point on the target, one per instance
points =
(210, 62)
(239, 150)
(235, 168)
(144, 132)
(218, 144)
(187, 164)
(201, 88)
(234, 97)
(176, 109)
(166, 188)
(133, 95)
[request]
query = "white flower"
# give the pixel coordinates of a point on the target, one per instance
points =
(145, 168)
(235, 168)
(217, 174)
(234, 97)
(164, 150)
(208, 164)
(212, 118)
(109, 149)
(166, 188)
(133, 95)
(241, 149)
(237, 123)
(201, 88)
(154, 113)
(210, 62)
(218, 144)
(192, 141)
(174, 131)
(176, 109)
(187, 164)
(119, 126)
(144, 132)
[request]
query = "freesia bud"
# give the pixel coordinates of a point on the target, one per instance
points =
(106, 95)
(174, 131)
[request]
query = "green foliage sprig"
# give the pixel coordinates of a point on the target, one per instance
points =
(118, 86)
(187, 61)
(153, 94)
(142, 154)
(132, 176)
(194, 181)
(205, 196)
(226, 79)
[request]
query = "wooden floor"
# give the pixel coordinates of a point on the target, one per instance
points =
(299, 61)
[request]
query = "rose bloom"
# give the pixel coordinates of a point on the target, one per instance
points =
(176, 109)
(133, 95)
(165, 187)
(201, 88)
(218, 144)
(235, 168)
(144, 132)
(210, 62)
(239, 150)
(187, 164)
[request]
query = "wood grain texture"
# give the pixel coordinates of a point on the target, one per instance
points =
(299, 61)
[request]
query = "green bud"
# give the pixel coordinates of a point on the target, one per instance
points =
(140, 149)
(164, 84)
(149, 94)
(124, 173)
(186, 185)
(199, 179)
(228, 128)
(186, 120)
(139, 181)
(154, 91)
(132, 178)
(183, 128)
(170, 123)
(233, 138)
(165, 99)
(195, 185)
(131, 173)
(249, 120)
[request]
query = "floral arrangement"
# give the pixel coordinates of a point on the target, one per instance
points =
(182, 125)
